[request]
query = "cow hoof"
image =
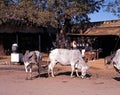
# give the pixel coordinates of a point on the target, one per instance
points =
(38, 75)
(72, 76)
(26, 78)
(83, 77)
(78, 76)
(30, 79)
(53, 75)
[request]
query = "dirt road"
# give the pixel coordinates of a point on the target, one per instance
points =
(101, 81)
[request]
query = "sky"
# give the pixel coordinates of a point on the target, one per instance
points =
(102, 15)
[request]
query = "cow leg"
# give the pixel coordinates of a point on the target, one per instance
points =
(77, 73)
(30, 72)
(50, 69)
(26, 64)
(76, 70)
(39, 68)
(26, 70)
(73, 68)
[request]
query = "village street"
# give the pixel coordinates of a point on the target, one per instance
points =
(101, 80)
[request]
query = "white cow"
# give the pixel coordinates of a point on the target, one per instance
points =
(116, 60)
(30, 58)
(67, 57)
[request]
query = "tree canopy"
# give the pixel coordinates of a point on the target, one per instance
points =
(112, 6)
(44, 12)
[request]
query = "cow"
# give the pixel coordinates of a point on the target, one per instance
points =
(67, 57)
(108, 59)
(89, 56)
(29, 59)
(116, 61)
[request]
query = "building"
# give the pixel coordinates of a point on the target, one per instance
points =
(27, 36)
(107, 34)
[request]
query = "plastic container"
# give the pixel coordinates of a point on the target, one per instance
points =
(15, 57)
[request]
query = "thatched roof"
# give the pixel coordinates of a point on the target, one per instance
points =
(19, 26)
(105, 29)
(5, 28)
(101, 31)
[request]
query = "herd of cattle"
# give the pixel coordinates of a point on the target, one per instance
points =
(64, 57)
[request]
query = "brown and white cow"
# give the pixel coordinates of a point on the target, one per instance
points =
(67, 57)
(30, 58)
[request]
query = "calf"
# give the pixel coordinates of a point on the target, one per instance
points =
(90, 56)
(31, 58)
(67, 57)
(108, 59)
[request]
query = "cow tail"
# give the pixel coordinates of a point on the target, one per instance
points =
(47, 63)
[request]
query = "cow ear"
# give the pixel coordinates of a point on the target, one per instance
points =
(27, 51)
(114, 63)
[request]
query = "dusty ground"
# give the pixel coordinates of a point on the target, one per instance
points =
(101, 80)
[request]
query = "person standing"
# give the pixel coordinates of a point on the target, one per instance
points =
(15, 48)
(74, 44)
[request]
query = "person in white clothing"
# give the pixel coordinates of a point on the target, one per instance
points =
(74, 45)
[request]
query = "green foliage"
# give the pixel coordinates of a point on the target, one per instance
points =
(52, 12)
(113, 7)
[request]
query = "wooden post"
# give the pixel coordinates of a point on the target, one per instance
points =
(39, 42)
(17, 40)
(97, 53)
